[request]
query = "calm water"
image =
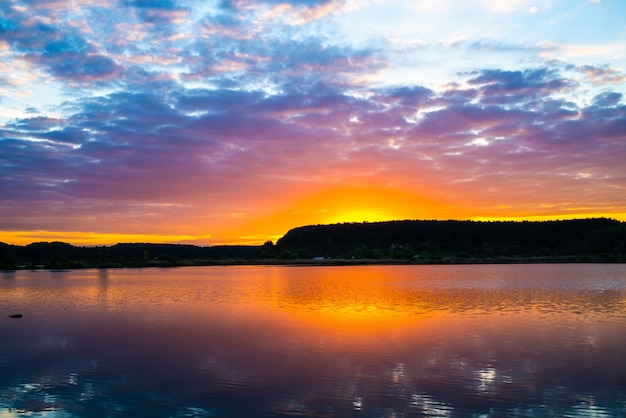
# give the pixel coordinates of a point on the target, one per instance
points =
(366, 341)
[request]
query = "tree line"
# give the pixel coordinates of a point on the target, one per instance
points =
(62, 255)
(598, 239)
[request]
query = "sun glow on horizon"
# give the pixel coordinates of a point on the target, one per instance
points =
(94, 238)
(369, 204)
(401, 111)
(274, 226)
(339, 205)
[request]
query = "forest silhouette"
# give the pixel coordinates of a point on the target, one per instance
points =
(409, 241)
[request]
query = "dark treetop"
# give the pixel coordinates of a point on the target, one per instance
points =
(601, 239)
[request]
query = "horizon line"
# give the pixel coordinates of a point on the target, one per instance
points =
(274, 239)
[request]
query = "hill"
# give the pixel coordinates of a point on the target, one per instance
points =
(601, 239)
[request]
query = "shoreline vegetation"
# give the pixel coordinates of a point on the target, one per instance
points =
(394, 242)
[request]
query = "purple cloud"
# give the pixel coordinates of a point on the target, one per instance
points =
(218, 108)
(501, 87)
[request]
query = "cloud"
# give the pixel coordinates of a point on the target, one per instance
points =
(499, 86)
(158, 11)
(138, 147)
(80, 68)
(608, 99)
(63, 52)
(216, 109)
(553, 50)
(602, 75)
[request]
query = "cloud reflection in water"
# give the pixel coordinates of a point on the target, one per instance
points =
(345, 341)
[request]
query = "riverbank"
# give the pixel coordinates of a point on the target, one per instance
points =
(324, 262)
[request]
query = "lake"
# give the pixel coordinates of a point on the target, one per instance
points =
(351, 341)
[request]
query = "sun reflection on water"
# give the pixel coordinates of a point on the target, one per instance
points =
(314, 341)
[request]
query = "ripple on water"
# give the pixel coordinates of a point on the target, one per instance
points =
(370, 341)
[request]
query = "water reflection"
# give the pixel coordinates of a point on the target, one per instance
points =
(327, 341)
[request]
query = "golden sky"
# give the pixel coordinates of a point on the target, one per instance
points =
(205, 123)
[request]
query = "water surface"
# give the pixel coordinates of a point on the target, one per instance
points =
(358, 341)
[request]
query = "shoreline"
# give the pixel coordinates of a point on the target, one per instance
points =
(329, 262)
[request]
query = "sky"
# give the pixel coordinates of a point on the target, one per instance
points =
(233, 121)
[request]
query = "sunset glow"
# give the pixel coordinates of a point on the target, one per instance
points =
(228, 122)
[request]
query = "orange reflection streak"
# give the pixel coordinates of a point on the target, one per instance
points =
(359, 331)
(363, 302)
(370, 300)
